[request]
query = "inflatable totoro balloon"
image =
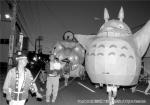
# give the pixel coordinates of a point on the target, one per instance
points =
(113, 56)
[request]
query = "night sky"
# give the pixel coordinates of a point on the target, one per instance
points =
(50, 19)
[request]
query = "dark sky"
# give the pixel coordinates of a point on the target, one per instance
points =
(50, 19)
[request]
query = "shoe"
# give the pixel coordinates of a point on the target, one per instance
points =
(96, 86)
(53, 101)
(47, 101)
(38, 95)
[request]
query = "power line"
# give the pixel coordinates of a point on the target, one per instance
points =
(55, 16)
(22, 27)
(25, 23)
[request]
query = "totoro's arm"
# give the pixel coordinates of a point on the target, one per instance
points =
(142, 38)
(84, 40)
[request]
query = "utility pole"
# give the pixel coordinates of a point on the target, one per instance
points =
(12, 35)
(35, 46)
(39, 39)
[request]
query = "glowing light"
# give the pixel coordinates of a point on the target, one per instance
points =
(7, 16)
(35, 59)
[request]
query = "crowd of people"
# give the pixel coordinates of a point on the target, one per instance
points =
(19, 80)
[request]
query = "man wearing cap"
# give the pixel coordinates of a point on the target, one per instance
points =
(53, 68)
(19, 81)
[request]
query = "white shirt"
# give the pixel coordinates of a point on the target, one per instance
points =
(21, 79)
(55, 66)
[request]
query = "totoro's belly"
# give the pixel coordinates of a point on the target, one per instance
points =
(112, 62)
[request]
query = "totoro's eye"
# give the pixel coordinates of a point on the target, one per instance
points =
(120, 26)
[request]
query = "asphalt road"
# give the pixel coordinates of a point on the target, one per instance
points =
(83, 92)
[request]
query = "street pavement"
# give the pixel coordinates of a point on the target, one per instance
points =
(83, 92)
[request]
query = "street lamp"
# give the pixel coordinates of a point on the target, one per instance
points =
(7, 16)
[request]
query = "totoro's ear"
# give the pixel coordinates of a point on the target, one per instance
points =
(106, 15)
(121, 14)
